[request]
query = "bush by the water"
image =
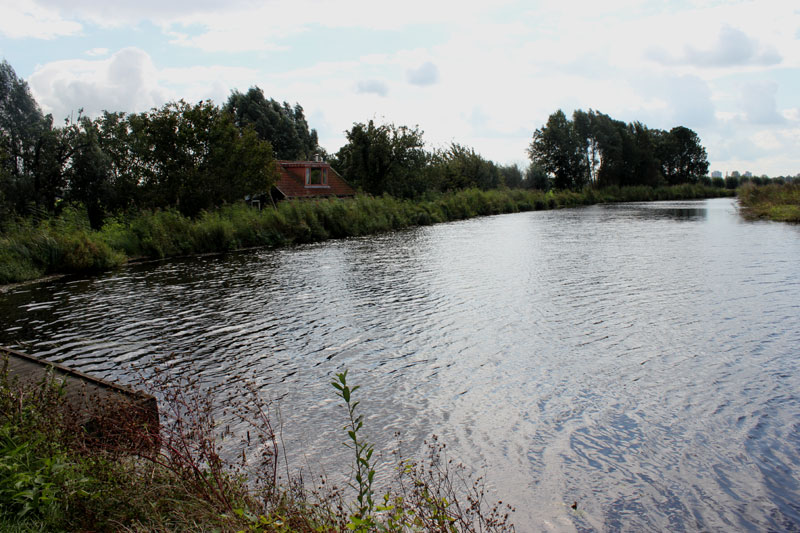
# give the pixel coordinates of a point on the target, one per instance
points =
(780, 202)
(32, 248)
(38, 246)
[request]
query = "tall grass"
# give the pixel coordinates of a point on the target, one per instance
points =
(779, 202)
(33, 248)
(30, 249)
(204, 476)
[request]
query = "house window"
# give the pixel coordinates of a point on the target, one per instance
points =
(316, 176)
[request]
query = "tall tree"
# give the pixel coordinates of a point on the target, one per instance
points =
(23, 129)
(460, 167)
(536, 178)
(383, 159)
(198, 158)
(594, 148)
(511, 176)
(283, 126)
(683, 158)
(585, 125)
(644, 165)
(89, 173)
(558, 148)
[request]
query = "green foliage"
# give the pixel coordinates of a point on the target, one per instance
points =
(426, 496)
(35, 247)
(23, 127)
(511, 176)
(32, 467)
(383, 159)
(53, 479)
(779, 202)
(557, 147)
(194, 157)
(284, 127)
(595, 149)
(364, 472)
(460, 167)
(682, 157)
(64, 244)
(731, 182)
(187, 157)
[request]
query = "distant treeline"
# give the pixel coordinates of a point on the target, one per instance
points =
(190, 157)
(594, 149)
(196, 157)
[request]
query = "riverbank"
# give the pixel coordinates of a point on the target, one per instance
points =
(779, 202)
(55, 478)
(31, 249)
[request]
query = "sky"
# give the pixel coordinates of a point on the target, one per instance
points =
(481, 74)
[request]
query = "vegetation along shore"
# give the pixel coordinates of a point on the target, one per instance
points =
(96, 192)
(775, 201)
(38, 246)
(198, 476)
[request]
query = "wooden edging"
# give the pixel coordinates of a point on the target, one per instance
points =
(70, 372)
(108, 412)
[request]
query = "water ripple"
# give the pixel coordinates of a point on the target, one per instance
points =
(640, 359)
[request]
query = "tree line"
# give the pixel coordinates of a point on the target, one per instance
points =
(195, 157)
(389, 159)
(594, 149)
(191, 157)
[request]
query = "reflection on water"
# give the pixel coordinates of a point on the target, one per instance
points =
(675, 210)
(640, 359)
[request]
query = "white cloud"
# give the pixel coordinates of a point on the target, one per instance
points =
(767, 140)
(372, 87)
(126, 81)
(792, 114)
(758, 102)
(732, 48)
(105, 13)
(231, 40)
(24, 18)
(97, 52)
(129, 81)
(426, 74)
(207, 83)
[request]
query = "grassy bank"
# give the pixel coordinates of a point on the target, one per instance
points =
(31, 249)
(54, 478)
(779, 202)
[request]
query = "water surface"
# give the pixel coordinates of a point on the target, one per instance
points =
(640, 359)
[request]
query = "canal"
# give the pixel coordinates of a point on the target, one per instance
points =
(639, 359)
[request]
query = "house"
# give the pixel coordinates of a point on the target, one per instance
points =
(303, 179)
(309, 179)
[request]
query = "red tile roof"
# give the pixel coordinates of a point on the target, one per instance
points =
(292, 181)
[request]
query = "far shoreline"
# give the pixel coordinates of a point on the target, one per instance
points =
(65, 245)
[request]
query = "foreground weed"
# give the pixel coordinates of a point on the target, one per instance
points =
(364, 472)
(213, 466)
(435, 494)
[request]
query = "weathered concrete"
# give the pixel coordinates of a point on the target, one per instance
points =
(109, 411)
